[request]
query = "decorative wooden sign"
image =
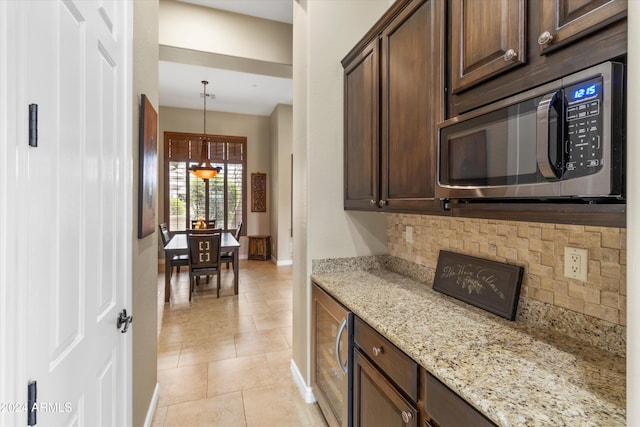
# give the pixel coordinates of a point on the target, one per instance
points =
(258, 192)
(490, 285)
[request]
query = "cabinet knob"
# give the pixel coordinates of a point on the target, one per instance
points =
(510, 55)
(382, 203)
(377, 351)
(545, 38)
(372, 202)
(406, 417)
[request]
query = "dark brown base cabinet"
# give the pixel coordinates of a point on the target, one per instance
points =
(377, 403)
(390, 390)
(361, 379)
(385, 381)
(444, 408)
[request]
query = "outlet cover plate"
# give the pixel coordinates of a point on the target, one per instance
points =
(409, 234)
(576, 261)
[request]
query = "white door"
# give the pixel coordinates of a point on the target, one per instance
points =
(77, 210)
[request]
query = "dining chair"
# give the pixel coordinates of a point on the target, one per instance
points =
(227, 257)
(204, 258)
(177, 260)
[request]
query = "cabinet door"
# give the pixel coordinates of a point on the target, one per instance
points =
(330, 323)
(487, 38)
(361, 150)
(562, 21)
(377, 403)
(411, 104)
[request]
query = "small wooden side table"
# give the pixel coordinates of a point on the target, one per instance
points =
(259, 247)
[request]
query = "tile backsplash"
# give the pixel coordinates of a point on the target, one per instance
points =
(538, 247)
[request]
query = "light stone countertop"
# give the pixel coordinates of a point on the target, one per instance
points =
(514, 374)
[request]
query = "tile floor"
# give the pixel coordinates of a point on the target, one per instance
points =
(226, 362)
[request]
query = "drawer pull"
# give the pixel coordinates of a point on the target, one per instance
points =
(377, 351)
(406, 417)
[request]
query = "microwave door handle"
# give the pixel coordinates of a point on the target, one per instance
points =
(547, 169)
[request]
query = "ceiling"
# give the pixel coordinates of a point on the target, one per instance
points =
(234, 92)
(275, 10)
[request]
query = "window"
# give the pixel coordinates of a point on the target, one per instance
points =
(188, 198)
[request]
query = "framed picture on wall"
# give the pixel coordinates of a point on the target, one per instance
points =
(147, 168)
(258, 192)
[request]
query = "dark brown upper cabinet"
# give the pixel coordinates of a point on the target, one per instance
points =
(563, 21)
(487, 38)
(361, 150)
(498, 48)
(393, 97)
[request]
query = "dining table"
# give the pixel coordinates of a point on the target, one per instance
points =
(178, 245)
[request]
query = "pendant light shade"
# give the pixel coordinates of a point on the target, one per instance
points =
(204, 169)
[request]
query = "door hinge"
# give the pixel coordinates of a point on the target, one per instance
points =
(32, 402)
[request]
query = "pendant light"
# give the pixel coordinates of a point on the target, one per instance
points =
(204, 169)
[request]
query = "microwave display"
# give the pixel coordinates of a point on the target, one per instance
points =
(582, 92)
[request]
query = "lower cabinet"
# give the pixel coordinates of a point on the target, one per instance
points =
(446, 409)
(391, 390)
(361, 379)
(377, 402)
(385, 382)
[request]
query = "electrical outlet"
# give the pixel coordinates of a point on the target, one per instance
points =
(409, 234)
(575, 263)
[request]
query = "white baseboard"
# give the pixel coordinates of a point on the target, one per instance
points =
(305, 391)
(284, 262)
(152, 406)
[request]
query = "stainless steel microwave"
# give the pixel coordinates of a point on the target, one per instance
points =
(563, 140)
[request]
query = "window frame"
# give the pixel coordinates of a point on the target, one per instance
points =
(226, 148)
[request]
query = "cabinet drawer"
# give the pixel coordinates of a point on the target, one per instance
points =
(399, 367)
(447, 409)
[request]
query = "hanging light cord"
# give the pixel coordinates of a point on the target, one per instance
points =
(204, 169)
(205, 140)
(205, 83)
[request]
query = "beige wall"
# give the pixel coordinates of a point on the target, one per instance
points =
(539, 248)
(280, 184)
(324, 32)
(257, 131)
(144, 275)
(188, 26)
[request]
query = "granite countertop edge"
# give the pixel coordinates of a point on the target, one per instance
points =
(513, 374)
